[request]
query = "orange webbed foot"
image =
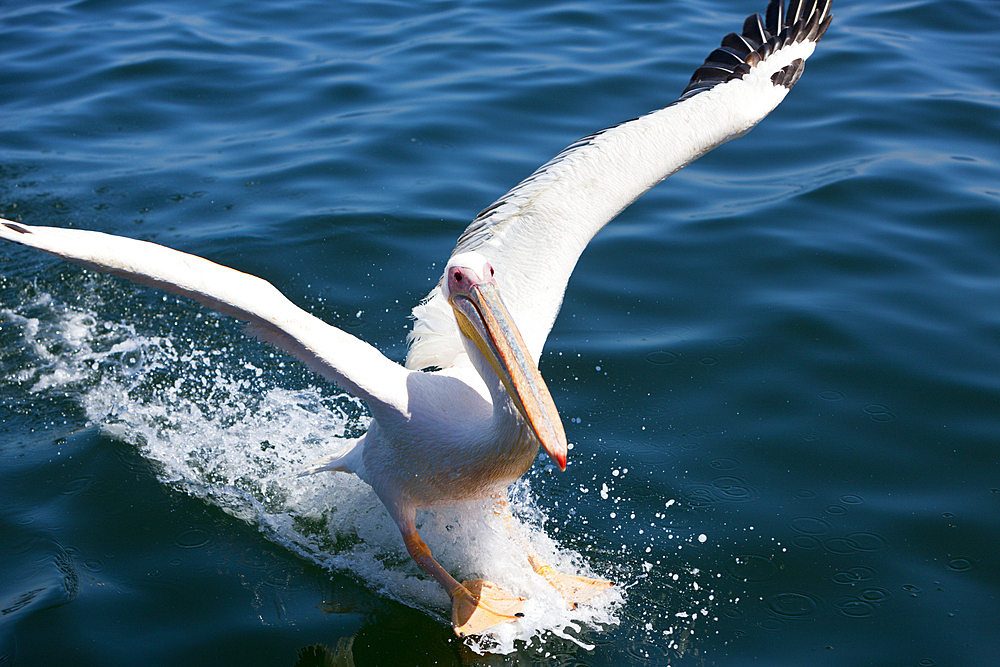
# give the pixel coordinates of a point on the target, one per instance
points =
(480, 605)
(575, 590)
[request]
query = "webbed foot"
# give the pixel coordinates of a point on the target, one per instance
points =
(480, 605)
(572, 588)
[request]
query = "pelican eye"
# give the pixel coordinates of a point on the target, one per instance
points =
(457, 275)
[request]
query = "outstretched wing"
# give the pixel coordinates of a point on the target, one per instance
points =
(336, 355)
(535, 233)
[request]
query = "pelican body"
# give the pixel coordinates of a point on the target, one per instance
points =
(472, 422)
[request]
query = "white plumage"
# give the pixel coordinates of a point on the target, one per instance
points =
(537, 231)
(473, 423)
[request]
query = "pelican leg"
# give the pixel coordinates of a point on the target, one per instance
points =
(477, 606)
(572, 588)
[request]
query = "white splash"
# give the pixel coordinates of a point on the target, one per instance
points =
(223, 429)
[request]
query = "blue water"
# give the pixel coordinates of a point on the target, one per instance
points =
(780, 369)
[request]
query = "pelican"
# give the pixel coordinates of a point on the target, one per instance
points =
(464, 417)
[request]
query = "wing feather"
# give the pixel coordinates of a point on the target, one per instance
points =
(535, 233)
(336, 355)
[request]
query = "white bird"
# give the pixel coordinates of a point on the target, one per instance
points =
(471, 423)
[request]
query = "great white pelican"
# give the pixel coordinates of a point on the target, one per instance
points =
(472, 425)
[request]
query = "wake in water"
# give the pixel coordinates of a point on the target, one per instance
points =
(224, 429)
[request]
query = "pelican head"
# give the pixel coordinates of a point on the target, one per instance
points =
(472, 291)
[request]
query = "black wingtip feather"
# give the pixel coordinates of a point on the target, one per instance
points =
(805, 20)
(823, 27)
(739, 44)
(723, 56)
(795, 11)
(775, 15)
(753, 29)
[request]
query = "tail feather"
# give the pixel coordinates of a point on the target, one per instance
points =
(345, 460)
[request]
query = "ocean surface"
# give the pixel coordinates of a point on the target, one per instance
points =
(779, 369)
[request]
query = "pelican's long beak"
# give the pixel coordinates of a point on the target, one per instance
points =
(484, 319)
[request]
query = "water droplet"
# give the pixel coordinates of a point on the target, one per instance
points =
(192, 539)
(724, 464)
(879, 413)
(751, 568)
(661, 358)
(854, 607)
(732, 341)
(809, 525)
(865, 541)
(793, 605)
(854, 575)
(959, 564)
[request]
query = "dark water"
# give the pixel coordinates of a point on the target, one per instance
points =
(780, 369)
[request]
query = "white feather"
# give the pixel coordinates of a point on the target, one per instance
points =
(535, 234)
